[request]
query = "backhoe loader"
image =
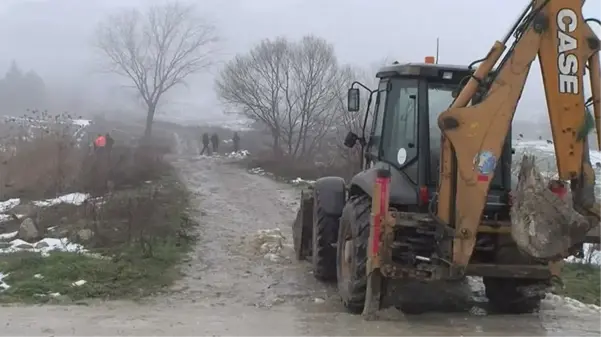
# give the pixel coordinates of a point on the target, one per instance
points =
(435, 201)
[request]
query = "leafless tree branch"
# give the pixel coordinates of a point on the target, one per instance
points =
(157, 49)
(292, 88)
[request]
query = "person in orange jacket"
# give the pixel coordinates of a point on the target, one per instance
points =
(99, 143)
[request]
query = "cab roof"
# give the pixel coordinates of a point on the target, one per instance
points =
(423, 70)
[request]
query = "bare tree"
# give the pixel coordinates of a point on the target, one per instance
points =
(292, 88)
(157, 49)
(255, 85)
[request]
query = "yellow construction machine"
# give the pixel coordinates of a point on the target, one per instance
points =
(435, 200)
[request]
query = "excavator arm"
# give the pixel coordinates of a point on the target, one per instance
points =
(473, 136)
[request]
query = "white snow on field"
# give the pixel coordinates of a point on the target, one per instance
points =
(545, 154)
(238, 154)
(301, 181)
(72, 198)
(8, 236)
(82, 122)
(44, 246)
(3, 285)
(544, 147)
(9, 204)
(257, 170)
(556, 300)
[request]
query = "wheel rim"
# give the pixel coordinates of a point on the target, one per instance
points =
(346, 257)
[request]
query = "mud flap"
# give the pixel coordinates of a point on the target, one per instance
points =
(373, 295)
(544, 225)
(302, 227)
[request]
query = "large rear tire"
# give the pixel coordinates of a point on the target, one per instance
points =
(353, 237)
(514, 295)
(325, 235)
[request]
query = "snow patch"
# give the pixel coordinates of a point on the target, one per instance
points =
(301, 181)
(271, 244)
(238, 154)
(571, 303)
(44, 246)
(3, 285)
(9, 204)
(82, 122)
(72, 198)
(8, 236)
(257, 170)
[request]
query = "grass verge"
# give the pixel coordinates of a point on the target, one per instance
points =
(139, 259)
(582, 282)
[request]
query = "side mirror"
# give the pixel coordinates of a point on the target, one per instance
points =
(351, 139)
(353, 100)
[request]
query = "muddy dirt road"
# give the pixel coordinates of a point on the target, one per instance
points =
(232, 287)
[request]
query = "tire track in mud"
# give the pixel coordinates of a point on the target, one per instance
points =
(227, 265)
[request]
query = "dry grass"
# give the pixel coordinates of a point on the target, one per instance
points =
(138, 218)
(39, 161)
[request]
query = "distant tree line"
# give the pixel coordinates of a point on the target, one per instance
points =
(20, 91)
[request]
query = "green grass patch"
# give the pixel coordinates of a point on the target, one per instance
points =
(582, 283)
(141, 257)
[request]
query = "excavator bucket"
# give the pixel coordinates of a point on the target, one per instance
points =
(544, 223)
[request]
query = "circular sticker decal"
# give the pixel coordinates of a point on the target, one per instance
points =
(485, 162)
(401, 156)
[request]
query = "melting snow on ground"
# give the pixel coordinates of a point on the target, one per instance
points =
(44, 246)
(301, 181)
(9, 204)
(10, 244)
(72, 198)
(3, 285)
(271, 244)
(557, 300)
(232, 155)
(238, 154)
(82, 122)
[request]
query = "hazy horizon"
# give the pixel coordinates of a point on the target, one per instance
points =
(54, 37)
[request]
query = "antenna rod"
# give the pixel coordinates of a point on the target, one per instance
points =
(437, 49)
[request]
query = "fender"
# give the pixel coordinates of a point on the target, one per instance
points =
(332, 194)
(402, 191)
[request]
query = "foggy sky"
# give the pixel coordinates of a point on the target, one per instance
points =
(53, 37)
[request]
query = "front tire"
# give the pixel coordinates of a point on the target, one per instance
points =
(351, 254)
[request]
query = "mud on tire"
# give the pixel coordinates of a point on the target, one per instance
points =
(514, 295)
(325, 234)
(351, 273)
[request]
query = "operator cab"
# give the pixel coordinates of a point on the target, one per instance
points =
(404, 129)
